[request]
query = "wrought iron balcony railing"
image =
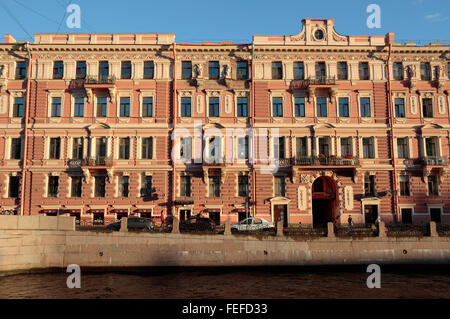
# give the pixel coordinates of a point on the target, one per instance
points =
(98, 161)
(326, 161)
(321, 80)
(214, 162)
(435, 160)
(101, 79)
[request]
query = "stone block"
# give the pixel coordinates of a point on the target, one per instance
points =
(124, 224)
(48, 222)
(433, 232)
(66, 223)
(9, 222)
(28, 222)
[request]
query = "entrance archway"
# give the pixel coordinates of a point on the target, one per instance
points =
(324, 201)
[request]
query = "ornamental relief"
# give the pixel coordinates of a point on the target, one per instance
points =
(413, 101)
(441, 105)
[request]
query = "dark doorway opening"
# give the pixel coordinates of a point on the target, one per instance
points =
(323, 201)
(215, 218)
(435, 215)
(185, 214)
(406, 216)
(370, 213)
(280, 213)
(242, 216)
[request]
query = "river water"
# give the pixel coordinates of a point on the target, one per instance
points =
(245, 283)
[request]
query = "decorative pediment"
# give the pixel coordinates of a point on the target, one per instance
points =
(96, 126)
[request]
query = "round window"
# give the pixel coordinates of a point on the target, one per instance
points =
(318, 34)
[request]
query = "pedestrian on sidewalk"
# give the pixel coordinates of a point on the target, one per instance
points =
(350, 222)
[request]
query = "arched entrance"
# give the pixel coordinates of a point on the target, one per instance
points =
(324, 201)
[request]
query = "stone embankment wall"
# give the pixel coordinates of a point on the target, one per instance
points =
(25, 247)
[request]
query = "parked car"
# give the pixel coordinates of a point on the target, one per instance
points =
(253, 224)
(194, 223)
(134, 223)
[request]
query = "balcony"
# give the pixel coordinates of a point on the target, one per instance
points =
(435, 161)
(329, 161)
(214, 162)
(100, 81)
(94, 162)
(321, 80)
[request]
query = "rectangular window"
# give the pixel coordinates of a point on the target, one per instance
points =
(147, 107)
(279, 147)
(404, 185)
(16, 148)
(100, 186)
(76, 186)
(398, 71)
(243, 147)
(301, 146)
(56, 107)
(186, 149)
(77, 148)
(214, 107)
(346, 147)
(81, 70)
(342, 70)
(321, 107)
(101, 147)
(280, 186)
(343, 107)
(103, 70)
(299, 105)
(399, 107)
(126, 70)
(242, 70)
(243, 186)
(433, 189)
(79, 107)
(146, 189)
(364, 71)
(186, 70)
(147, 148)
(369, 185)
(18, 107)
(427, 107)
(185, 186)
(299, 71)
(124, 148)
(124, 182)
(55, 146)
(430, 147)
(186, 107)
(324, 146)
(425, 72)
(277, 104)
(14, 185)
(242, 106)
(435, 215)
(21, 70)
(368, 147)
(214, 186)
(102, 107)
(125, 107)
(214, 70)
(365, 106)
(58, 70)
(277, 70)
(53, 186)
(149, 70)
(320, 70)
(402, 147)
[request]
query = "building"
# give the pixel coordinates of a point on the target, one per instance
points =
(102, 126)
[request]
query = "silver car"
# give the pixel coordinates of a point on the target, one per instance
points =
(253, 224)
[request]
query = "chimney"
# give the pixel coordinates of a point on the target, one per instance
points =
(9, 39)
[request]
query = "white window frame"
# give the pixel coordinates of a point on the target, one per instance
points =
(217, 94)
(148, 93)
(54, 94)
(273, 94)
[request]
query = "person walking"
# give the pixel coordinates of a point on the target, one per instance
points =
(350, 222)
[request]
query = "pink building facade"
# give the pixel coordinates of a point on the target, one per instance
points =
(307, 128)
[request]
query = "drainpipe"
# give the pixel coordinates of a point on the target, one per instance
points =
(175, 115)
(391, 123)
(252, 125)
(25, 148)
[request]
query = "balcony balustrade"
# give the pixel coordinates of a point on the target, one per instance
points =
(435, 161)
(98, 161)
(326, 161)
